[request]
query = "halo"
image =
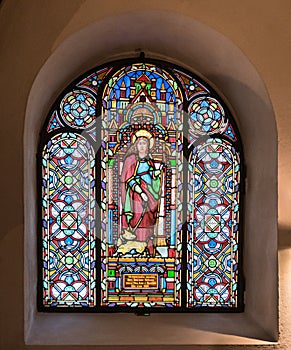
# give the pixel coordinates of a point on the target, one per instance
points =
(144, 133)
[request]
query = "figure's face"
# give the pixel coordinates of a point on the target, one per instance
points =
(142, 145)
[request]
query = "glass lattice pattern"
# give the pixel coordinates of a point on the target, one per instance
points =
(140, 168)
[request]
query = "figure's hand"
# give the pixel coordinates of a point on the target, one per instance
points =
(159, 166)
(144, 197)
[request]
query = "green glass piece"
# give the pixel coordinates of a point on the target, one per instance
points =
(213, 183)
(69, 260)
(212, 263)
(68, 180)
(172, 162)
(110, 162)
(171, 273)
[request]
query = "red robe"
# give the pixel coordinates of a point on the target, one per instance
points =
(133, 214)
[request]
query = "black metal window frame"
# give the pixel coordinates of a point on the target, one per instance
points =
(44, 138)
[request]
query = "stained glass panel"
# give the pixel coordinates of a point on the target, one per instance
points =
(213, 197)
(214, 176)
(54, 122)
(140, 167)
(141, 196)
(68, 211)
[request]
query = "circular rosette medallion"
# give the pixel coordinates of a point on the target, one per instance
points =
(206, 116)
(78, 109)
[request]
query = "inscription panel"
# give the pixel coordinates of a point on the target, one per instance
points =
(140, 281)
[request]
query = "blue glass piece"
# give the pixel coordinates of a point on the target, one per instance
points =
(68, 150)
(214, 164)
(79, 121)
(173, 227)
(69, 160)
(69, 289)
(213, 202)
(206, 127)
(212, 281)
(91, 110)
(68, 199)
(217, 115)
(204, 103)
(69, 232)
(69, 279)
(68, 208)
(67, 108)
(80, 97)
(110, 226)
(212, 244)
(69, 241)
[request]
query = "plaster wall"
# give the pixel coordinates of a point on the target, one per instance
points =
(31, 31)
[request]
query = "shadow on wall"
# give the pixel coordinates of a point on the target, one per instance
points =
(284, 237)
(259, 204)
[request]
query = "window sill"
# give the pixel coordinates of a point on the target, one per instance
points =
(158, 329)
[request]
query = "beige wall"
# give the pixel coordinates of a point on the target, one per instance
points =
(31, 30)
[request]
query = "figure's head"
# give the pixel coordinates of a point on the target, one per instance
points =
(142, 142)
(142, 145)
(143, 134)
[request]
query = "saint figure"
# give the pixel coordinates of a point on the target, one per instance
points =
(140, 191)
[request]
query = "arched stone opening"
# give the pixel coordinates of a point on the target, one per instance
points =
(218, 60)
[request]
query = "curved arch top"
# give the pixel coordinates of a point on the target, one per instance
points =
(147, 141)
(238, 80)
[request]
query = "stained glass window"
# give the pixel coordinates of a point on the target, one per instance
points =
(140, 168)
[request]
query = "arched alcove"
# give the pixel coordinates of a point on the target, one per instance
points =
(218, 60)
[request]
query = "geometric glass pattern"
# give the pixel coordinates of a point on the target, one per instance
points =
(140, 173)
(214, 176)
(68, 212)
(78, 109)
(206, 116)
